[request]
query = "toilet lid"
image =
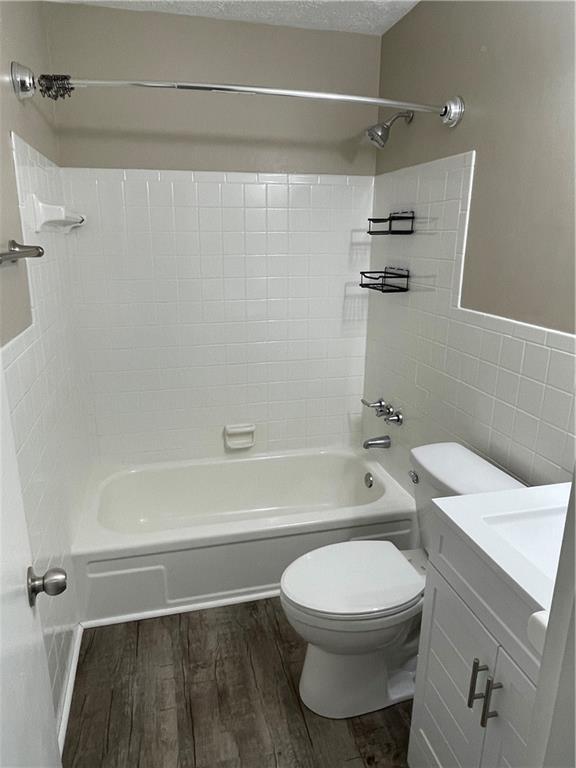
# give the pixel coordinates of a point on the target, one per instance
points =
(351, 578)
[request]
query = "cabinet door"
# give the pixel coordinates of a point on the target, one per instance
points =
(445, 731)
(507, 732)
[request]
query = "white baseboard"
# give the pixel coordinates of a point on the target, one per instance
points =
(69, 688)
(217, 602)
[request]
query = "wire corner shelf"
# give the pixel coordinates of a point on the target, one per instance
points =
(397, 223)
(390, 280)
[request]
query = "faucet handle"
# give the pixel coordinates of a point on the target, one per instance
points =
(381, 407)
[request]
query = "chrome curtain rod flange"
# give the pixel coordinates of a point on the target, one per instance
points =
(25, 84)
(23, 81)
(453, 111)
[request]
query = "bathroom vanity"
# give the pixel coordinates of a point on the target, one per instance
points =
(492, 565)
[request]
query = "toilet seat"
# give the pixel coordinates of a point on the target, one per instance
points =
(362, 620)
(353, 580)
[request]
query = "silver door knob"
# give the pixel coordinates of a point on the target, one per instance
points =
(54, 582)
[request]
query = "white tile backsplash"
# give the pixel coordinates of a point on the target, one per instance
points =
(207, 299)
(45, 387)
(503, 388)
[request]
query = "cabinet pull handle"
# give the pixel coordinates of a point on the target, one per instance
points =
(486, 713)
(472, 695)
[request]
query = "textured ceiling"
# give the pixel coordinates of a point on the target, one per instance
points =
(369, 17)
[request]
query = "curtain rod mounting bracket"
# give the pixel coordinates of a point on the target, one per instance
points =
(452, 111)
(23, 81)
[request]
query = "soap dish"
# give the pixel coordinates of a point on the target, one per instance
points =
(239, 436)
(46, 217)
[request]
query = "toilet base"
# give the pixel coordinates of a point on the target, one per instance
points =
(347, 685)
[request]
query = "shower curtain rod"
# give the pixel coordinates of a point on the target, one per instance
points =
(59, 86)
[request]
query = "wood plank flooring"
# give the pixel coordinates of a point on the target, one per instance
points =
(213, 689)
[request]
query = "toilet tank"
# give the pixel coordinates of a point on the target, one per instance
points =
(450, 469)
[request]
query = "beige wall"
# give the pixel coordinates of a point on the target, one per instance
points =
(22, 37)
(144, 129)
(513, 62)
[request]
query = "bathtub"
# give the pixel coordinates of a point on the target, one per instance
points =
(166, 538)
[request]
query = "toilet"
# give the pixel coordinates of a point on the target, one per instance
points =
(358, 603)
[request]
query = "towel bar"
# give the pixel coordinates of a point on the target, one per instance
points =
(18, 251)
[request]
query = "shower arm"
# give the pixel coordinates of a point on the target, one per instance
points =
(407, 115)
(25, 85)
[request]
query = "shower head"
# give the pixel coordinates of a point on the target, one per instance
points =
(378, 134)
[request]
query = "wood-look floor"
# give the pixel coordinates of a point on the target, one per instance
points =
(213, 689)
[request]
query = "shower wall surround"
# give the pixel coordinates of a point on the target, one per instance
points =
(45, 387)
(205, 299)
(503, 388)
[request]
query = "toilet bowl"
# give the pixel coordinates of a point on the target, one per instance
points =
(357, 604)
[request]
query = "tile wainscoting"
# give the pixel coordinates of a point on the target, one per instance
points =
(503, 388)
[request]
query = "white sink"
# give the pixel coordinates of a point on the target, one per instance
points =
(536, 629)
(518, 531)
(536, 534)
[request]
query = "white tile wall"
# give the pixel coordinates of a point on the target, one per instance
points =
(44, 386)
(503, 388)
(212, 298)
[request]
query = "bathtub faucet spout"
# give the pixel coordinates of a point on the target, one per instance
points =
(378, 442)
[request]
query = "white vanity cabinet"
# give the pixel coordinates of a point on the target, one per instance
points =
(477, 673)
(506, 736)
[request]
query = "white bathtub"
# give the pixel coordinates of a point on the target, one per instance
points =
(165, 538)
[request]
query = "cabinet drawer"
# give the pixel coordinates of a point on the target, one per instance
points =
(503, 610)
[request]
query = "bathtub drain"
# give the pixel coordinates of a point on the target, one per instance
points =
(368, 480)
